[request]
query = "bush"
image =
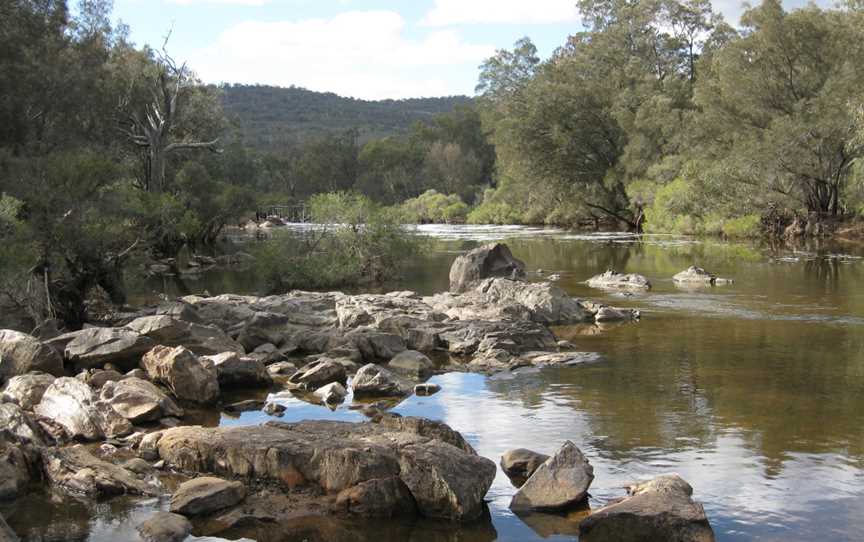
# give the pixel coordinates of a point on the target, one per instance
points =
(494, 213)
(436, 208)
(743, 227)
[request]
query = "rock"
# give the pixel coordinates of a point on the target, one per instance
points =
(412, 363)
(137, 373)
(205, 495)
(560, 482)
(77, 471)
(492, 260)
(426, 389)
(614, 279)
(247, 405)
(319, 373)
(94, 347)
(282, 368)
(234, 370)
(446, 481)
(695, 274)
(520, 464)
(201, 339)
(26, 390)
(612, 314)
(331, 394)
(138, 466)
(378, 498)
(21, 353)
(6, 532)
(661, 509)
(148, 447)
(74, 405)
(180, 311)
(96, 378)
(19, 466)
(375, 381)
(138, 400)
(375, 346)
(189, 377)
(19, 425)
(165, 527)
(274, 409)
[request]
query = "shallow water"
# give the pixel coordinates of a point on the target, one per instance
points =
(753, 392)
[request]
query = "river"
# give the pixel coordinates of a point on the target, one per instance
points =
(753, 392)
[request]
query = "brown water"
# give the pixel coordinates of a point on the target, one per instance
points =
(753, 392)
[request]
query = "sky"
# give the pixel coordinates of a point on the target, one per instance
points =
(368, 49)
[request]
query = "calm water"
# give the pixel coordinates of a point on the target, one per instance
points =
(753, 392)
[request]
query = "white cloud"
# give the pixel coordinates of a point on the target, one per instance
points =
(364, 54)
(449, 12)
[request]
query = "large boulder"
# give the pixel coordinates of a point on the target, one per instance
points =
(165, 527)
(319, 373)
(234, 369)
(92, 348)
(660, 509)
(378, 498)
(21, 353)
(78, 472)
(138, 400)
(519, 464)
(376, 381)
(200, 339)
(27, 390)
(492, 260)
(412, 363)
(446, 481)
(205, 495)
(614, 280)
(75, 406)
(561, 482)
(189, 377)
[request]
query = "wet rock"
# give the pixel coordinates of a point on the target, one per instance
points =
(205, 495)
(75, 406)
(612, 314)
(77, 471)
(446, 481)
(234, 370)
(21, 353)
(412, 363)
(612, 279)
(660, 509)
(94, 347)
(318, 374)
(19, 425)
(378, 498)
(560, 482)
(200, 339)
(375, 381)
(6, 532)
(520, 464)
(492, 260)
(165, 527)
(426, 389)
(331, 394)
(695, 274)
(189, 377)
(139, 400)
(26, 390)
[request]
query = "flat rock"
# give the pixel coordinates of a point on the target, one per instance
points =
(519, 464)
(561, 482)
(75, 406)
(376, 381)
(165, 527)
(492, 260)
(189, 377)
(27, 390)
(138, 400)
(200, 339)
(236, 370)
(78, 472)
(21, 353)
(660, 509)
(205, 495)
(447, 481)
(94, 347)
(614, 280)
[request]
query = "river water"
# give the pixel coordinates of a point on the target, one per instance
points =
(753, 392)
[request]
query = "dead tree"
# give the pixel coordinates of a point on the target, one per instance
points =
(152, 131)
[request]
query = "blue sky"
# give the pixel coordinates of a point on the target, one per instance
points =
(371, 49)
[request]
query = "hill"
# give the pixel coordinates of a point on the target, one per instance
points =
(271, 118)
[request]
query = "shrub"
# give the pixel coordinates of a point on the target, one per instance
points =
(434, 207)
(743, 227)
(494, 213)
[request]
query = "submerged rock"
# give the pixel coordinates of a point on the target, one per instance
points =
(614, 279)
(189, 377)
(165, 527)
(205, 495)
(447, 481)
(77, 471)
(520, 464)
(376, 381)
(21, 353)
(562, 481)
(492, 260)
(27, 390)
(660, 509)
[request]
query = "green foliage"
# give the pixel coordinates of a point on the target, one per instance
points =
(493, 213)
(436, 208)
(747, 226)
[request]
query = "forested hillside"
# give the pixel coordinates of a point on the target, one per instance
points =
(272, 118)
